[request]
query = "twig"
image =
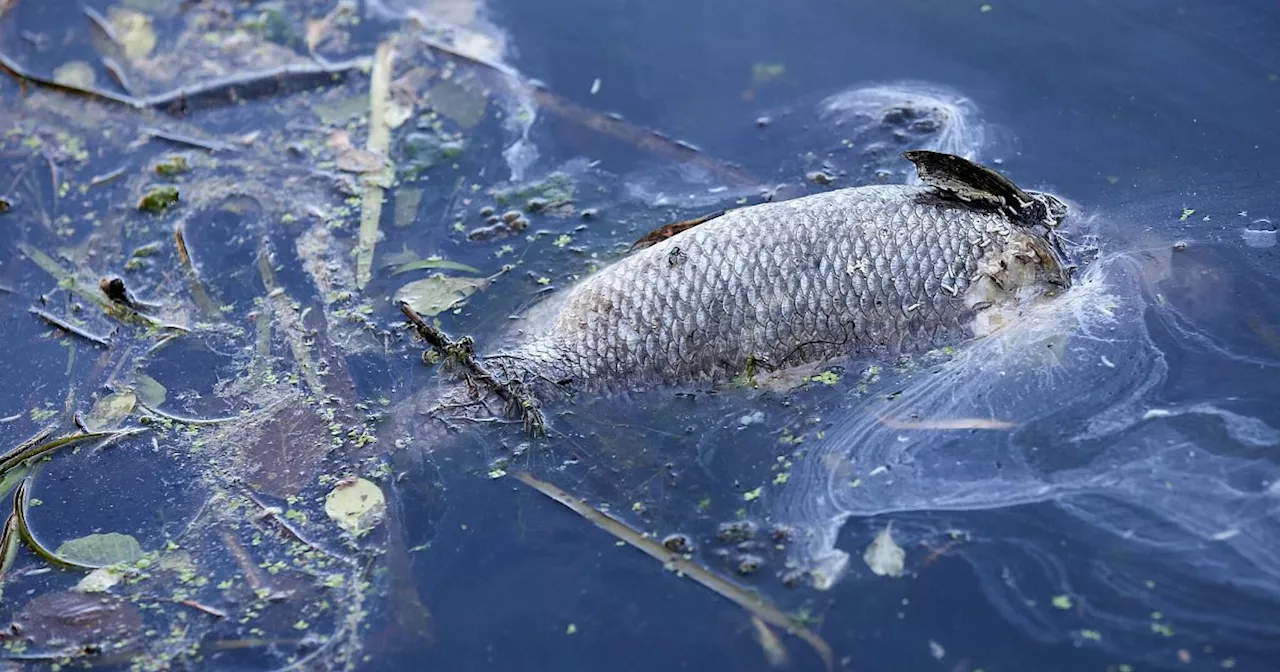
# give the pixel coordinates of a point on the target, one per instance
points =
(187, 140)
(517, 398)
(274, 514)
(106, 177)
(29, 449)
(222, 90)
(198, 293)
(753, 603)
(378, 143)
(184, 420)
(62, 324)
(212, 611)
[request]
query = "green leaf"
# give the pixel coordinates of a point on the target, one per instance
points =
(438, 293)
(11, 479)
(99, 580)
(110, 411)
(149, 390)
(357, 506)
(101, 549)
(884, 556)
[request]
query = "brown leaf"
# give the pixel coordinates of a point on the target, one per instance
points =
(355, 160)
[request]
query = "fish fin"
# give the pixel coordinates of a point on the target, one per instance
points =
(960, 178)
(666, 231)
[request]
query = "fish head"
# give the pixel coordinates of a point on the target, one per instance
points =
(1044, 221)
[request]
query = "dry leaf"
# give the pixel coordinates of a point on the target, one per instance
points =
(357, 506)
(356, 160)
(884, 556)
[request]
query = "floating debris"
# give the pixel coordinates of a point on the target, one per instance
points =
(101, 550)
(435, 294)
(884, 556)
(158, 198)
(356, 505)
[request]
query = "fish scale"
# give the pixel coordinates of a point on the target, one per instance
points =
(860, 271)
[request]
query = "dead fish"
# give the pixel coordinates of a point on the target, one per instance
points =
(862, 271)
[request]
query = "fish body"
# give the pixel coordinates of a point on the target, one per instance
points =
(861, 271)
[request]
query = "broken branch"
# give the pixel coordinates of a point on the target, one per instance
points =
(518, 399)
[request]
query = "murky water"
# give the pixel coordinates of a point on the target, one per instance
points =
(1125, 517)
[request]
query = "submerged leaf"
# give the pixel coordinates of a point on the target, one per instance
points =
(438, 293)
(460, 104)
(110, 411)
(884, 556)
(357, 506)
(75, 73)
(135, 31)
(101, 549)
(407, 201)
(149, 390)
(99, 580)
(356, 160)
(338, 112)
(158, 198)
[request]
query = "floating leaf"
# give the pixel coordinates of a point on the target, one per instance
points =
(397, 114)
(158, 198)
(110, 411)
(75, 73)
(338, 112)
(356, 160)
(149, 390)
(438, 293)
(135, 31)
(101, 549)
(99, 580)
(460, 104)
(357, 506)
(884, 556)
(407, 201)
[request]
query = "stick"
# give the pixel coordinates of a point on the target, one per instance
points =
(189, 141)
(224, 89)
(517, 398)
(62, 324)
(753, 603)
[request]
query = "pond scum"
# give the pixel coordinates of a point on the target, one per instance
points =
(205, 282)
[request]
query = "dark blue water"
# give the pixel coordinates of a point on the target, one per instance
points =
(1154, 544)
